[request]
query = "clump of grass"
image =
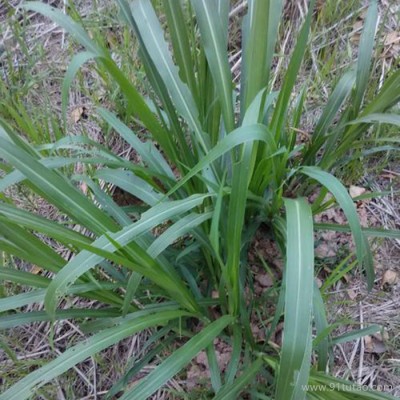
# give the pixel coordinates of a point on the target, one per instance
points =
(218, 162)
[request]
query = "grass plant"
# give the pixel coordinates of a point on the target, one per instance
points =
(219, 161)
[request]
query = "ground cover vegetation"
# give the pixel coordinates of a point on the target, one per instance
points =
(217, 158)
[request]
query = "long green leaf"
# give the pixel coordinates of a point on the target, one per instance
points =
(387, 97)
(179, 359)
(393, 119)
(321, 323)
(244, 134)
(86, 260)
(235, 225)
(373, 232)
(67, 23)
(105, 201)
(176, 231)
(299, 285)
(74, 66)
(278, 118)
(134, 98)
(365, 55)
(322, 383)
(169, 138)
(180, 42)
(339, 95)
(260, 35)
(23, 277)
(27, 386)
(22, 299)
(130, 183)
(147, 151)
(152, 36)
(24, 318)
(346, 203)
(16, 176)
(14, 215)
(232, 390)
(38, 295)
(15, 240)
(356, 334)
(214, 43)
(56, 189)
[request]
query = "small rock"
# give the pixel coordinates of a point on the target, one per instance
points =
(374, 345)
(356, 191)
(352, 294)
(202, 358)
(324, 250)
(264, 280)
(390, 278)
(318, 282)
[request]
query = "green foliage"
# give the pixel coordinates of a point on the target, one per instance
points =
(24, 103)
(217, 163)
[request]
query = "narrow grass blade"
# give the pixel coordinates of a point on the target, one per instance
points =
(178, 360)
(323, 384)
(138, 365)
(178, 230)
(214, 43)
(74, 66)
(180, 42)
(56, 189)
(346, 203)
(21, 300)
(338, 273)
(215, 373)
(365, 55)
(235, 225)
(321, 324)
(214, 234)
(14, 320)
(299, 286)
(373, 232)
(260, 35)
(38, 295)
(233, 366)
(6, 132)
(151, 34)
(147, 151)
(278, 118)
(243, 164)
(232, 390)
(130, 183)
(26, 387)
(132, 286)
(256, 132)
(388, 96)
(16, 176)
(14, 215)
(16, 240)
(105, 201)
(392, 119)
(356, 334)
(66, 22)
(339, 95)
(86, 260)
(103, 323)
(173, 131)
(23, 277)
(223, 7)
(135, 99)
